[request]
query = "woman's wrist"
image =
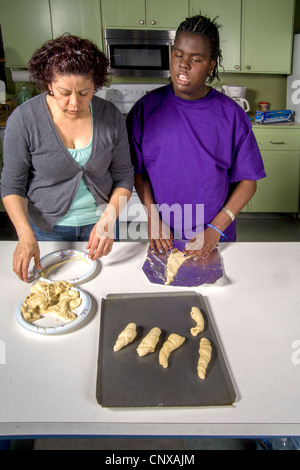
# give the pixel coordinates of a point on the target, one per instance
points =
(24, 231)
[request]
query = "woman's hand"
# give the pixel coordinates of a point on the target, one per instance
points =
(102, 237)
(27, 248)
(203, 243)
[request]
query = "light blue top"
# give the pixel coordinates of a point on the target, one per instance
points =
(83, 210)
(39, 168)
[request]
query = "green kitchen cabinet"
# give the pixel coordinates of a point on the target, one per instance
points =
(267, 36)
(141, 14)
(280, 150)
(256, 35)
(79, 17)
(123, 14)
(228, 14)
(166, 14)
(25, 26)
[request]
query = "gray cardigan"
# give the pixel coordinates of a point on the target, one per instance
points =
(38, 166)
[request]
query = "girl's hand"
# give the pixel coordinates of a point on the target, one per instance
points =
(203, 243)
(160, 235)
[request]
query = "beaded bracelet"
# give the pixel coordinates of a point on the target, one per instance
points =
(221, 233)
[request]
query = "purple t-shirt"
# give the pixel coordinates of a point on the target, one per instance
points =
(192, 150)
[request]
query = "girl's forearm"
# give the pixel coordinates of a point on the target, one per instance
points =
(241, 195)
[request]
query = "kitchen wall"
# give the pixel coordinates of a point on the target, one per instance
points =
(271, 88)
(260, 87)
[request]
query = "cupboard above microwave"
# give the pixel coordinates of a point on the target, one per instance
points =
(139, 53)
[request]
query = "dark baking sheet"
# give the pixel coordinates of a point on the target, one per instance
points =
(126, 380)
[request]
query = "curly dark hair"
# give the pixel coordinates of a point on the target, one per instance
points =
(68, 55)
(204, 26)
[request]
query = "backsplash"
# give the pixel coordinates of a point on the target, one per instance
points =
(271, 88)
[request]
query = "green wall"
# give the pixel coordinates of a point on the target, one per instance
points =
(270, 88)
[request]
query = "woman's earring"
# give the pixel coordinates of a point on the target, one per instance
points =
(51, 93)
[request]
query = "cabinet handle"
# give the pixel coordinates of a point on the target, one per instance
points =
(142, 22)
(277, 143)
(152, 22)
(248, 67)
(237, 67)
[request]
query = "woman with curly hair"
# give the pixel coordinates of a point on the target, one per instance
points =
(193, 146)
(66, 155)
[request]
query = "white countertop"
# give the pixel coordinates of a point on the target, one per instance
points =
(48, 383)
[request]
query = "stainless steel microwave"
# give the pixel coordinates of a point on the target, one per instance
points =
(139, 53)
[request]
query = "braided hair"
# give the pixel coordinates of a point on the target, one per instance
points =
(208, 28)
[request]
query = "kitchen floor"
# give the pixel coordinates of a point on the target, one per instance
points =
(250, 228)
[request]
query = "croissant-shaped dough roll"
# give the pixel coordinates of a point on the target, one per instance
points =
(125, 337)
(198, 317)
(173, 342)
(148, 344)
(175, 260)
(204, 357)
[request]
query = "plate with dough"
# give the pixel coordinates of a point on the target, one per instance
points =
(53, 307)
(176, 269)
(71, 265)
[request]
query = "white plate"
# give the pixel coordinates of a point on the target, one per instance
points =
(48, 324)
(78, 269)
